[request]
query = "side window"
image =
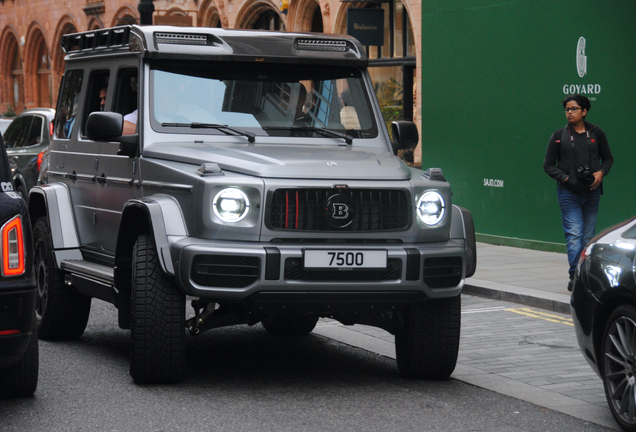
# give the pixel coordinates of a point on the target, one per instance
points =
(35, 133)
(95, 95)
(68, 103)
(125, 101)
(16, 133)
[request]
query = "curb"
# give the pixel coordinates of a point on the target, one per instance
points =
(526, 296)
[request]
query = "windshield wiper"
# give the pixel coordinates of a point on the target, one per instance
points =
(348, 138)
(223, 128)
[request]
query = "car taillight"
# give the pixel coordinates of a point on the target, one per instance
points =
(9, 332)
(51, 129)
(586, 252)
(40, 156)
(13, 248)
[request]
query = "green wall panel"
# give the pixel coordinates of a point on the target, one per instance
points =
(493, 77)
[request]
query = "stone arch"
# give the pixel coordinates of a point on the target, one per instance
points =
(253, 13)
(340, 23)
(305, 15)
(38, 87)
(212, 14)
(417, 35)
(125, 15)
(94, 23)
(11, 72)
(65, 25)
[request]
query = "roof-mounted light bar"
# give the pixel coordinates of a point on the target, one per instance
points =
(181, 39)
(321, 45)
(99, 39)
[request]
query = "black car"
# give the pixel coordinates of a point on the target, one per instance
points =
(604, 311)
(18, 328)
(26, 139)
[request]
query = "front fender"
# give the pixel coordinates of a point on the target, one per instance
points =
(54, 202)
(159, 216)
(462, 226)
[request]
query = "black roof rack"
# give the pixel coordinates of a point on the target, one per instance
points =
(99, 39)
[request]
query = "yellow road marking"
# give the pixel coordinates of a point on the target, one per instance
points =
(542, 315)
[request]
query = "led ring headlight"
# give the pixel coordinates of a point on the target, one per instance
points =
(231, 205)
(431, 208)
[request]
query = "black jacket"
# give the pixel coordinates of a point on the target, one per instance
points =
(560, 161)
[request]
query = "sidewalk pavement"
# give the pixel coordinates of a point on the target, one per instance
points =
(546, 368)
(532, 278)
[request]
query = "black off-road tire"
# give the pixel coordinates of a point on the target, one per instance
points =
(61, 312)
(427, 343)
(290, 324)
(158, 319)
(21, 379)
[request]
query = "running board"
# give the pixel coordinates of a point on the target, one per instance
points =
(91, 279)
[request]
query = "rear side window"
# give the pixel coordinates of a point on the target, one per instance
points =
(35, 133)
(16, 134)
(96, 93)
(68, 104)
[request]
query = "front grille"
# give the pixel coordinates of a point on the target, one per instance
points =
(294, 270)
(445, 272)
(371, 209)
(225, 271)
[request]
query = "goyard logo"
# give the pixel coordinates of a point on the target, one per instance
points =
(581, 68)
(581, 58)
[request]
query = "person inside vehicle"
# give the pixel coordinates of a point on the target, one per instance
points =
(102, 97)
(130, 123)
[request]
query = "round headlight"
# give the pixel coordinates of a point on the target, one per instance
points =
(231, 205)
(431, 208)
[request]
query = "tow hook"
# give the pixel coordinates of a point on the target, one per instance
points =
(201, 311)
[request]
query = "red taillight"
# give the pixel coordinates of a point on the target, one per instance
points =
(51, 129)
(13, 248)
(40, 156)
(9, 332)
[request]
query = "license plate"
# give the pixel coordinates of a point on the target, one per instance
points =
(345, 259)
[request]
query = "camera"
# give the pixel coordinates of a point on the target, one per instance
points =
(584, 173)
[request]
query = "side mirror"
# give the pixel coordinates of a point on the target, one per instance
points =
(108, 126)
(405, 135)
(104, 126)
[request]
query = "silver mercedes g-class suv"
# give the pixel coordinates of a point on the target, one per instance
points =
(252, 173)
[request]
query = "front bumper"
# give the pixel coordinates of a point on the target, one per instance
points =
(233, 271)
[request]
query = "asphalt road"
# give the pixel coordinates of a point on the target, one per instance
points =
(243, 379)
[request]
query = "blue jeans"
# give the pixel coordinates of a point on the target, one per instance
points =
(578, 212)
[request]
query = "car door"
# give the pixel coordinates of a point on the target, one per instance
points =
(116, 174)
(73, 161)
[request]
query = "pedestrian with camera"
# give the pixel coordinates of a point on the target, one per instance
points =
(578, 157)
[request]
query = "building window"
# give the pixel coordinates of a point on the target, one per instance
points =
(44, 76)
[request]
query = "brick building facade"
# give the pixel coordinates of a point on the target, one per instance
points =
(32, 61)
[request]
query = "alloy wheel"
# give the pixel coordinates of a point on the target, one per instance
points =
(619, 369)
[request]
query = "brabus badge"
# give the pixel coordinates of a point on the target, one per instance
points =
(338, 211)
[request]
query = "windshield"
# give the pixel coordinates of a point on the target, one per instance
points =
(261, 99)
